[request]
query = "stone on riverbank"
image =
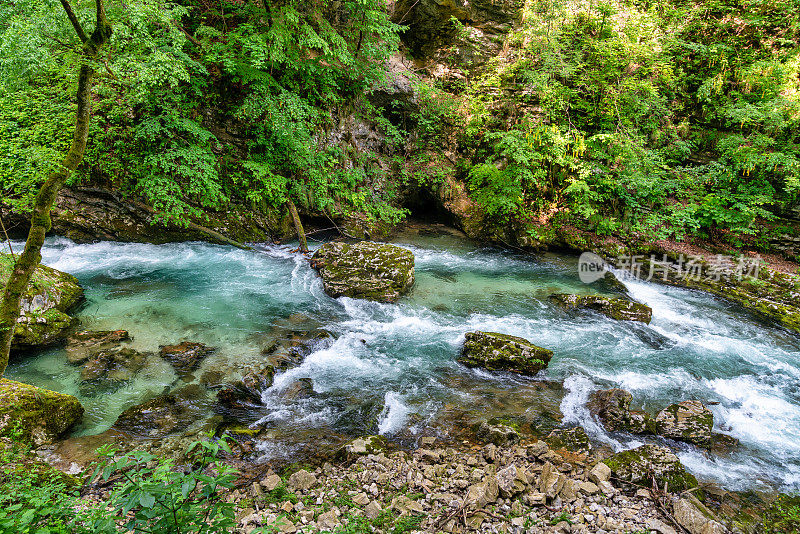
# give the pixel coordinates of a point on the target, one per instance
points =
(615, 308)
(366, 270)
(635, 468)
(501, 352)
(45, 303)
(40, 416)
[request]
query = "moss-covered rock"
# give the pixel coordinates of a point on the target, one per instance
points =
(638, 467)
(19, 463)
(500, 432)
(109, 369)
(50, 295)
(501, 352)
(40, 416)
(612, 408)
(688, 421)
(361, 447)
(367, 270)
(616, 308)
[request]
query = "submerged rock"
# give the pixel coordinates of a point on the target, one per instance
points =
(40, 416)
(612, 407)
(108, 369)
(373, 271)
(501, 352)
(165, 414)
(81, 345)
(49, 296)
(185, 357)
(616, 308)
(689, 421)
(639, 467)
(246, 392)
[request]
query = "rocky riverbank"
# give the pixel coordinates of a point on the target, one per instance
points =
(525, 487)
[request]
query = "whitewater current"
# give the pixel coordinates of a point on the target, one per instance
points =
(391, 369)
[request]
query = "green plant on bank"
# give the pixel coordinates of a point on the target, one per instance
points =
(563, 516)
(783, 516)
(640, 118)
(154, 495)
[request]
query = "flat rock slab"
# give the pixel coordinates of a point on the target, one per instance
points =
(365, 270)
(502, 352)
(615, 308)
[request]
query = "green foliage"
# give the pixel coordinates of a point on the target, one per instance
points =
(644, 120)
(154, 495)
(783, 516)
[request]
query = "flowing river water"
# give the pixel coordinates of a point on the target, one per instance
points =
(391, 369)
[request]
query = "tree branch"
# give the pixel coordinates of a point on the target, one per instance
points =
(74, 20)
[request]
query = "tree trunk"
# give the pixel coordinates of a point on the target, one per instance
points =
(298, 226)
(27, 262)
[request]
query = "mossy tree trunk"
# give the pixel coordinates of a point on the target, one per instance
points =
(298, 226)
(40, 219)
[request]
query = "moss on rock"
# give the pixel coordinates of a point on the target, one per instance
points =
(688, 421)
(366, 270)
(640, 466)
(616, 308)
(39, 416)
(49, 296)
(502, 352)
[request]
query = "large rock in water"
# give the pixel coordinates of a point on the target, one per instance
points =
(49, 296)
(366, 270)
(39, 415)
(501, 352)
(612, 407)
(616, 308)
(638, 467)
(688, 421)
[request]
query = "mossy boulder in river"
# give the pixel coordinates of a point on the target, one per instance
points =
(616, 308)
(40, 416)
(365, 270)
(50, 295)
(637, 467)
(688, 421)
(501, 352)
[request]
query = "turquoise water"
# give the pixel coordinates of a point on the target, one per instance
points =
(391, 368)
